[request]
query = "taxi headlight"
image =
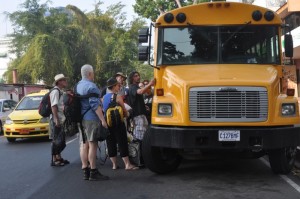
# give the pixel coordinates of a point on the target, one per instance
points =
(288, 109)
(8, 121)
(165, 109)
(44, 120)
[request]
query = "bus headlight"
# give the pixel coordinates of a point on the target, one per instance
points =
(288, 109)
(165, 109)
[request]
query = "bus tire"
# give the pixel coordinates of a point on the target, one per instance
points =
(157, 159)
(282, 160)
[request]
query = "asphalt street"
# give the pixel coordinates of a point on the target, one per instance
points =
(25, 173)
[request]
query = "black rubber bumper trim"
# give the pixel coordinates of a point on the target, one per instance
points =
(207, 138)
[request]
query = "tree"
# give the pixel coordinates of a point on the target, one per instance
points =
(40, 52)
(152, 9)
(62, 40)
(116, 47)
(27, 24)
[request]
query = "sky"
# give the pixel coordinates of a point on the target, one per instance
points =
(84, 5)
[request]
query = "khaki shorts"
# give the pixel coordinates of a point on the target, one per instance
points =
(91, 129)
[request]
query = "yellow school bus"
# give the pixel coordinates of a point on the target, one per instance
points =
(218, 92)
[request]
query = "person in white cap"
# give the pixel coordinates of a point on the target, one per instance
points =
(57, 119)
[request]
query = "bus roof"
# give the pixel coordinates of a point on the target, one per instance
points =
(220, 13)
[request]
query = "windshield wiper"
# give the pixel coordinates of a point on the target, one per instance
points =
(237, 31)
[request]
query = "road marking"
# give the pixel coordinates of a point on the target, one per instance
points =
(292, 183)
(284, 177)
(71, 140)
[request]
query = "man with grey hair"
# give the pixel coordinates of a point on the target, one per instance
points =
(93, 115)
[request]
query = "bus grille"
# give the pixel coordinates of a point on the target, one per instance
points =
(228, 104)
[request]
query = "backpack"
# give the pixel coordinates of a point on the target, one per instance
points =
(72, 105)
(45, 105)
(72, 110)
(114, 113)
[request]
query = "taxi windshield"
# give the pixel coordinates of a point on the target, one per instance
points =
(29, 103)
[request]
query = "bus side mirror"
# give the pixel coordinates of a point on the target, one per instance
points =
(143, 53)
(288, 45)
(143, 35)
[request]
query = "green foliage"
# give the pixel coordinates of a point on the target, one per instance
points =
(44, 58)
(49, 41)
(152, 9)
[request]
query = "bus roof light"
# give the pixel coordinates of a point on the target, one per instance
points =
(210, 5)
(256, 15)
(269, 15)
(181, 17)
(226, 5)
(169, 17)
(218, 5)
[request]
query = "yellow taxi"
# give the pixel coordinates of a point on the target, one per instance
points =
(25, 121)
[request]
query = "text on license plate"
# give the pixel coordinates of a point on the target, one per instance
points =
(24, 131)
(229, 135)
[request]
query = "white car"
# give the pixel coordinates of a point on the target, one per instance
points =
(6, 107)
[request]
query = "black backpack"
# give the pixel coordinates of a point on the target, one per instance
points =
(72, 105)
(45, 105)
(72, 110)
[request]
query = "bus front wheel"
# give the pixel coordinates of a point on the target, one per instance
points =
(157, 159)
(282, 160)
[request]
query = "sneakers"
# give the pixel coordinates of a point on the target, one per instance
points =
(96, 175)
(86, 173)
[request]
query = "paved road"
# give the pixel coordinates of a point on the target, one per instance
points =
(25, 172)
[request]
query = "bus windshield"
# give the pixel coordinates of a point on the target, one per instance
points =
(243, 44)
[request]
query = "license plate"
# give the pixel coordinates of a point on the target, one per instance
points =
(229, 135)
(24, 131)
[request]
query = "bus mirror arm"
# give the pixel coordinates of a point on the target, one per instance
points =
(286, 27)
(150, 35)
(154, 67)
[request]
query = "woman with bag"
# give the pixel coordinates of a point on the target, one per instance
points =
(118, 134)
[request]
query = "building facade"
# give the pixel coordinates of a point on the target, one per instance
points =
(290, 14)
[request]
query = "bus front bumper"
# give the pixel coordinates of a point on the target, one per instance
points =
(208, 137)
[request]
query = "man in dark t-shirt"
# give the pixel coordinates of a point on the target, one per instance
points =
(137, 103)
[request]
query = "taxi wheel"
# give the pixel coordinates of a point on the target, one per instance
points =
(282, 160)
(157, 159)
(11, 139)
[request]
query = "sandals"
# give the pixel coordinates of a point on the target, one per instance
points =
(64, 161)
(57, 163)
(132, 168)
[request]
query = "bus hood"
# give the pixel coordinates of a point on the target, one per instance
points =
(220, 75)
